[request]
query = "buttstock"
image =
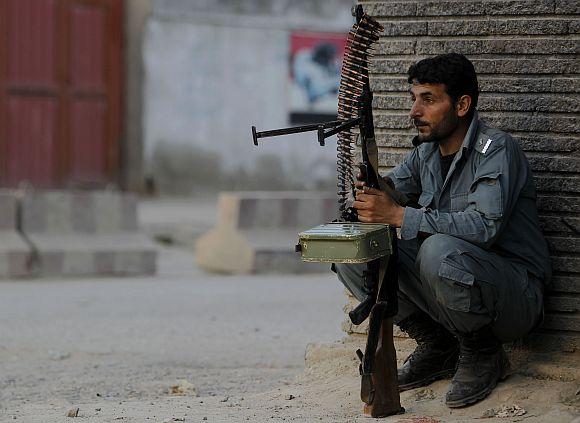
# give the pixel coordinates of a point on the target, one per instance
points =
(385, 399)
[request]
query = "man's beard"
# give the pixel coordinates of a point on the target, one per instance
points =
(440, 132)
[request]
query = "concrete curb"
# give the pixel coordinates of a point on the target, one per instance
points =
(68, 233)
(15, 253)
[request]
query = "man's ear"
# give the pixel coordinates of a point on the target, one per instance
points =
(462, 105)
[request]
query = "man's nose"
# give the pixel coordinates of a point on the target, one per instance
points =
(415, 110)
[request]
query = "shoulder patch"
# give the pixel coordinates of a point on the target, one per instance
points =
(483, 143)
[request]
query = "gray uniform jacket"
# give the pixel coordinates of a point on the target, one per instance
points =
(488, 197)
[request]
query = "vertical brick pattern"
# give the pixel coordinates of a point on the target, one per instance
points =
(526, 56)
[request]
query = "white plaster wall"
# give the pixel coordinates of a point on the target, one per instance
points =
(207, 81)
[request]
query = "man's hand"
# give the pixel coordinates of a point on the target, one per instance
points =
(375, 206)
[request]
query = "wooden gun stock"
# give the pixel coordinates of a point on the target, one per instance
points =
(383, 380)
(378, 368)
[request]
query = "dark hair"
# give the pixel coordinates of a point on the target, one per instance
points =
(452, 69)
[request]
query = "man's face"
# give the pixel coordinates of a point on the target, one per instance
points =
(433, 112)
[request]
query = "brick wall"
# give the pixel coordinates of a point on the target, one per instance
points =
(526, 56)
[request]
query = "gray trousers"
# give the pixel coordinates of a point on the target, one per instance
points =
(461, 286)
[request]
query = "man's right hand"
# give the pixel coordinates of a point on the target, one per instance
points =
(360, 182)
(392, 192)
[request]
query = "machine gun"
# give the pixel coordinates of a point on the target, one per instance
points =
(348, 241)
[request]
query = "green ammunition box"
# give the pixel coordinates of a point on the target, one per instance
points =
(343, 242)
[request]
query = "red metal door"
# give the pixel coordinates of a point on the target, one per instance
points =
(60, 91)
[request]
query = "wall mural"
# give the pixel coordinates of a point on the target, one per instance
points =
(315, 61)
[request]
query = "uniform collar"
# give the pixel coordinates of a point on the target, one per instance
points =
(471, 134)
(467, 144)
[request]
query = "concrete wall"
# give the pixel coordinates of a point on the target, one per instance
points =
(214, 69)
(136, 13)
(526, 56)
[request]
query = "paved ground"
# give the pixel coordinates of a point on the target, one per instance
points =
(74, 341)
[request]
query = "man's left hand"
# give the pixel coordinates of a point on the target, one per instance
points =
(375, 206)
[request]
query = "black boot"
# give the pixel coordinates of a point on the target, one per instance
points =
(435, 356)
(482, 364)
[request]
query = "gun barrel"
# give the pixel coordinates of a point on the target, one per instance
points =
(297, 129)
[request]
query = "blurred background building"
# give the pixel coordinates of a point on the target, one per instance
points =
(214, 68)
(160, 95)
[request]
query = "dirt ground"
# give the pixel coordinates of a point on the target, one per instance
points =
(185, 346)
(327, 391)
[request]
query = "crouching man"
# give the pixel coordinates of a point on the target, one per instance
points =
(472, 259)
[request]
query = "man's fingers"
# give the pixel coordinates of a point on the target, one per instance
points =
(360, 184)
(372, 191)
(361, 205)
(362, 196)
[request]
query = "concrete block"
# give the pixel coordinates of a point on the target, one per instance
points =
(135, 262)
(512, 121)
(521, 84)
(544, 143)
(565, 85)
(83, 212)
(562, 225)
(566, 264)
(392, 102)
(447, 8)
(528, 103)
(536, 46)
(391, 66)
(7, 211)
(71, 255)
(76, 263)
(519, 7)
(564, 165)
(389, 84)
(391, 47)
(86, 255)
(393, 139)
(256, 232)
(392, 121)
(548, 184)
(274, 251)
(391, 159)
(114, 212)
(15, 256)
(405, 28)
(567, 7)
(391, 9)
(15, 253)
(85, 233)
(546, 66)
(277, 209)
(498, 27)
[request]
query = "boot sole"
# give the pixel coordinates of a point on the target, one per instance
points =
(475, 397)
(444, 374)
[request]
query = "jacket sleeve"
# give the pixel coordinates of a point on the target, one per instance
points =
(500, 176)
